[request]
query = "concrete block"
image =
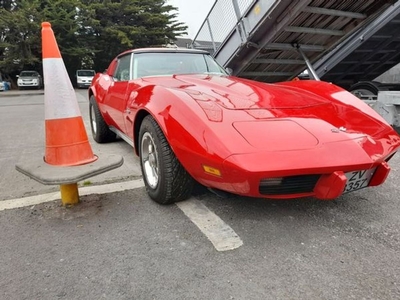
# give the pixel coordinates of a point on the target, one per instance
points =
(44, 173)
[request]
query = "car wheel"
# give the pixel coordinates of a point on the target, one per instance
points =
(165, 178)
(366, 90)
(100, 131)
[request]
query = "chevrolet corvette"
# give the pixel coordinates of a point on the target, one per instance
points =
(190, 122)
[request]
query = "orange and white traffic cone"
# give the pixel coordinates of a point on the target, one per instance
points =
(67, 143)
(68, 156)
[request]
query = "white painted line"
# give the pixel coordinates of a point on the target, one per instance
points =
(86, 190)
(112, 187)
(221, 235)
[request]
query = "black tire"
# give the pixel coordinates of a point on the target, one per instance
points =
(365, 89)
(166, 180)
(100, 131)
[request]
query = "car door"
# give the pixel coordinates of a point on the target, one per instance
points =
(115, 99)
(131, 105)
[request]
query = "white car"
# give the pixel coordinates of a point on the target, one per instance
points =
(84, 78)
(2, 87)
(29, 79)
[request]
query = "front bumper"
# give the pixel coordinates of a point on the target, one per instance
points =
(28, 84)
(323, 185)
(331, 186)
(319, 172)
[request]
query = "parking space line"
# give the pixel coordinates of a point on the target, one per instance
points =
(86, 190)
(221, 235)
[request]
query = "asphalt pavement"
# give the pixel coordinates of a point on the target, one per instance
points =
(122, 245)
(23, 139)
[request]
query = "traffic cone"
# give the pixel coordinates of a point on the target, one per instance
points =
(68, 156)
(67, 142)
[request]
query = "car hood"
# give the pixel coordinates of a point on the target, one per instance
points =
(272, 117)
(279, 113)
(239, 94)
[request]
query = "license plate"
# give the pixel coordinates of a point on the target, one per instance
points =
(357, 180)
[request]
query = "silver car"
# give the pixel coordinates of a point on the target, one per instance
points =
(29, 79)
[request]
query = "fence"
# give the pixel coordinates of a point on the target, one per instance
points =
(222, 19)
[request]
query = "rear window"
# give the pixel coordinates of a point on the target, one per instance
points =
(85, 73)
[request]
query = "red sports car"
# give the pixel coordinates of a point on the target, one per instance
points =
(190, 121)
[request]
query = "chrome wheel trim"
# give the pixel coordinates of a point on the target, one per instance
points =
(94, 124)
(149, 158)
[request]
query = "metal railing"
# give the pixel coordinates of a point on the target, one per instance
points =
(223, 18)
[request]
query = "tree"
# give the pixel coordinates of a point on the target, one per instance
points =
(66, 18)
(115, 26)
(19, 40)
(89, 33)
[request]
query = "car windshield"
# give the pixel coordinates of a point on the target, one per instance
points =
(85, 73)
(162, 63)
(28, 74)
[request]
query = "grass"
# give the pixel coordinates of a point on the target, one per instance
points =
(87, 183)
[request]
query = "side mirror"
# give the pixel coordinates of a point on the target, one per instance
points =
(229, 70)
(17, 76)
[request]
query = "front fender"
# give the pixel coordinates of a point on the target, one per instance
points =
(99, 87)
(184, 124)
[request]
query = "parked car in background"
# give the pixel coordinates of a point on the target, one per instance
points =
(190, 121)
(29, 79)
(2, 83)
(84, 78)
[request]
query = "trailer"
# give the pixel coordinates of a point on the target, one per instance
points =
(347, 42)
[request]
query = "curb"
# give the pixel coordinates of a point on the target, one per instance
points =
(20, 93)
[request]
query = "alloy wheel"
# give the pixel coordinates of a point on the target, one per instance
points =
(149, 157)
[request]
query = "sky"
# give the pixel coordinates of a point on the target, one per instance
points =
(192, 13)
